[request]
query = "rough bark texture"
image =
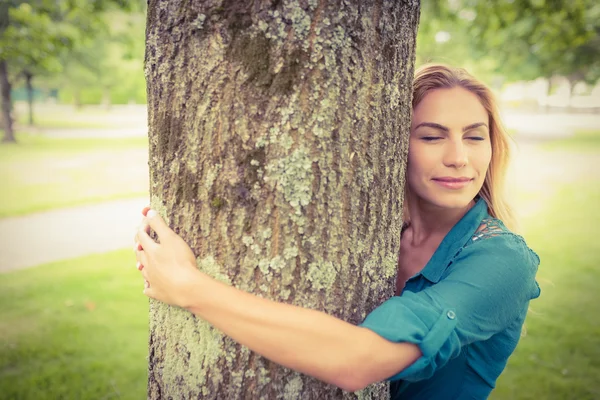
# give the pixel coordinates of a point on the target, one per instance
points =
(9, 135)
(278, 142)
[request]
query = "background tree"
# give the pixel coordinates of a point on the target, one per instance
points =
(278, 141)
(108, 66)
(513, 40)
(536, 38)
(33, 36)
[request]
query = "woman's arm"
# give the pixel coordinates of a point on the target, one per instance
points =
(305, 340)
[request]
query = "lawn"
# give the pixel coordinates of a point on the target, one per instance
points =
(74, 330)
(581, 141)
(78, 329)
(39, 173)
(559, 358)
(63, 116)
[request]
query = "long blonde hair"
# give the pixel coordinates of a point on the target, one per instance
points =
(439, 76)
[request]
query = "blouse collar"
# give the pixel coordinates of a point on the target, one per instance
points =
(454, 241)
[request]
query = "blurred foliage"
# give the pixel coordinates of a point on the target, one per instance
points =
(92, 50)
(510, 40)
(109, 68)
(86, 48)
(34, 34)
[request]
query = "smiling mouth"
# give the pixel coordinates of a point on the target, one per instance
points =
(452, 180)
(452, 183)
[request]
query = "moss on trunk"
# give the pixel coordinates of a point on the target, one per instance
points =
(278, 141)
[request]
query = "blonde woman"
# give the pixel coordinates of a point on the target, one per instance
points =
(464, 279)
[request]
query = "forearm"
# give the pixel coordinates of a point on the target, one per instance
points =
(305, 340)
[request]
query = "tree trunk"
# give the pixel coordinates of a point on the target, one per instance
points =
(548, 94)
(77, 99)
(9, 135)
(573, 80)
(278, 141)
(28, 78)
(106, 103)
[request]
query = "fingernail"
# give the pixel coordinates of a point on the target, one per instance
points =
(139, 266)
(151, 213)
(146, 284)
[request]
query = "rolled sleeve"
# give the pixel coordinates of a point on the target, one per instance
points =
(428, 325)
(488, 286)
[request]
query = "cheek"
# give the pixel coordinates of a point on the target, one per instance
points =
(412, 166)
(421, 159)
(415, 155)
(482, 160)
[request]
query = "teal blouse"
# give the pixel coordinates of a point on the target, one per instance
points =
(464, 310)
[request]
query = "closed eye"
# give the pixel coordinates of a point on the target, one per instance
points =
(430, 138)
(477, 138)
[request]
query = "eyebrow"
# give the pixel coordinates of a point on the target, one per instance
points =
(446, 129)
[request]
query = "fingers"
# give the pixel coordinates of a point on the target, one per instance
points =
(144, 241)
(149, 292)
(157, 224)
(142, 258)
(141, 265)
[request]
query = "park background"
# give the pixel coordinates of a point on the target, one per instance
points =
(73, 320)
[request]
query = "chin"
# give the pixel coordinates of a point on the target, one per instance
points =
(451, 202)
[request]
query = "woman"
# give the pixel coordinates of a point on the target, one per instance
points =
(464, 280)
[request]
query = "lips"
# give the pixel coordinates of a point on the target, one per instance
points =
(450, 179)
(452, 183)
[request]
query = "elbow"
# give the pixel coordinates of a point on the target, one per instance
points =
(355, 371)
(352, 377)
(351, 383)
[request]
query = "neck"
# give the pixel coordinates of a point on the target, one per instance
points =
(428, 221)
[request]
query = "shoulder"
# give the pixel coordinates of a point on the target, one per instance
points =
(494, 238)
(494, 252)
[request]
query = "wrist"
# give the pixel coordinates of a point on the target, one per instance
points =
(192, 289)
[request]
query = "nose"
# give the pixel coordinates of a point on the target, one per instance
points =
(456, 154)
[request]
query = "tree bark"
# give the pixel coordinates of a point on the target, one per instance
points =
(28, 78)
(278, 142)
(9, 135)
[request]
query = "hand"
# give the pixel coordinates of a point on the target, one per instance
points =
(169, 267)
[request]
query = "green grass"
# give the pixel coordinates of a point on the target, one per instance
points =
(78, 329)
(559, 358)
(74, 330)
(39, 173)
(583, 140)
(49, 122)
(65, 116)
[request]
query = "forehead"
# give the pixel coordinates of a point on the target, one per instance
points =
(456, 107)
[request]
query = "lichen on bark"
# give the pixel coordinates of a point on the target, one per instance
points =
(278, 141)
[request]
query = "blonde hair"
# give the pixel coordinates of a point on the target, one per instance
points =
(439, 76)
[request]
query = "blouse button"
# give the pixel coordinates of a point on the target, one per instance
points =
(451, 314)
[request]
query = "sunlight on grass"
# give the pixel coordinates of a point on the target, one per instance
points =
(583, 140)
(559, 358)
(78, 329)
(74, 330)
(67, 122)
(39, 173)
(62, 116)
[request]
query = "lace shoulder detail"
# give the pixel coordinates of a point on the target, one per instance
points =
(489, 227)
